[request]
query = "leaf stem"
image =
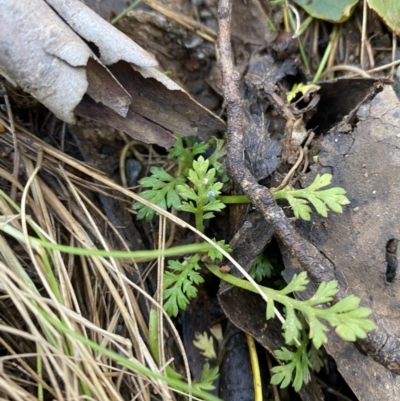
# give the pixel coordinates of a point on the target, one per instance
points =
(328, 50)
(38, 244)
(199, 220)
(334, 315)
(255, 368)
(233, 199)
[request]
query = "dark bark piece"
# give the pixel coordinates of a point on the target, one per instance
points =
(339, 99)
(365, 163)
(247, 14)
(249, 316)
(154, 110)
(264, 129)
(103, 88)
(172, 109)
(132, 124)
(236, 382)
(264, 72)
(201, 314)
(247, 243)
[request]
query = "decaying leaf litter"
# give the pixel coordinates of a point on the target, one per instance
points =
(266, 145)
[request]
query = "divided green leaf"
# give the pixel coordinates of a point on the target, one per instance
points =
(214, 254)
(216, 156)
(262, 267)
(180, 283)
(161, 192)
(297, 283)
(297, 365)
(291, 327)
(203, 193)
(207, 378)
(323, 201)
(160, 187)
(185, 153)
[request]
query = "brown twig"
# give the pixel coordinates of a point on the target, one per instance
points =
(332, 391)
(274, 387)
(260, 196)
(289, 175)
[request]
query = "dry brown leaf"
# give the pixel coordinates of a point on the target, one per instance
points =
(40, 50)
(113, 45)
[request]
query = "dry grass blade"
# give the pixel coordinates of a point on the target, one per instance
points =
(32, 144)
(92, 296)
(72, 324)
(48, 295)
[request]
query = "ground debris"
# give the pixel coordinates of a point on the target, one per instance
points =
(366, 163)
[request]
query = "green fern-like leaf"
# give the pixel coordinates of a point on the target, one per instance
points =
(208, 377)
(329, 199)
(347, 317)
(180, 283)
(202, 196)
(213, 254)
(185, 153)
(296, 365)
(161, 190)
(216, 156)
(297, 283)
(160, 187)
(262, 267)
(296, 370)
(350, 319)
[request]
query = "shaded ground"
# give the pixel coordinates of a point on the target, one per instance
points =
(359, 146)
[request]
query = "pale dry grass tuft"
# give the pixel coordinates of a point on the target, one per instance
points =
(92, 296)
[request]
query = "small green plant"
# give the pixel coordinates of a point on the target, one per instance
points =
(180, 282)
(195, 187)
(203, 194)
(207, 378)
(304, 89)
(161, 187)
(297, 365)
(349, 319)
(181, 279)
(161, 192)
(262, 267)
(329, 199)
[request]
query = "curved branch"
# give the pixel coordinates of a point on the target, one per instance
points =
(260, 196)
